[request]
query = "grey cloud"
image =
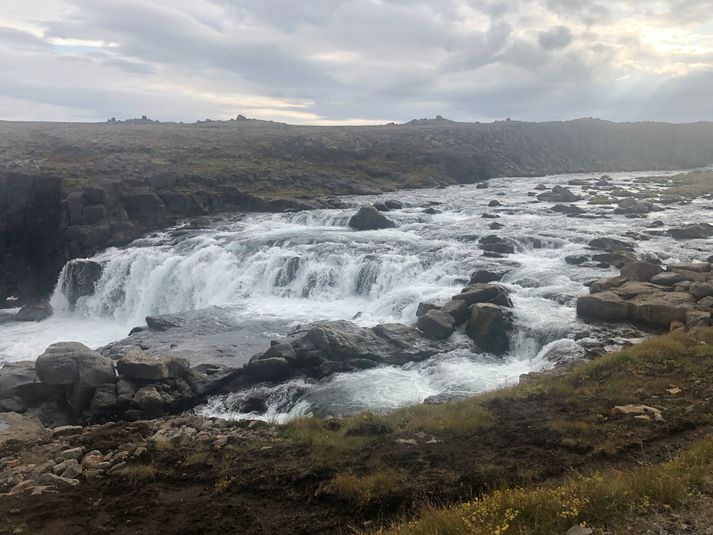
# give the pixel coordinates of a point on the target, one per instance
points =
(15, 37)
(557, 37)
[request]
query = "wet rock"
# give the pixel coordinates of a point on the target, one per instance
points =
(80, 279)
(559, 194)
(641, 271)
(369, 218)
(633, 206)
(489, 326)
(540, 187)
(496, 226)
(393, 204)
(163, 323)
(692, 232)
(436, 324)
(569, 209)
(36, 312)
(485, 276)
(576, 260)
(494, 203)
(423, 308)
(282, 350)
(611, 245)
(457, 309)
(431, 211)
(495, 244)
(381, 207)
(617, 259)
(485, 293)
(254, 404)
(269, 369)
(606, 283)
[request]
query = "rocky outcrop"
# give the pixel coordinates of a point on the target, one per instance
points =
(79, 279)
(647, 295)
(369, 218)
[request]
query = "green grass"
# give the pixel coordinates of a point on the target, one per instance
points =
(599, 500)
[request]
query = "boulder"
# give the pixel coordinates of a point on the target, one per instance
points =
(149, 401)
(617, 259)
(540, 187)
(489, 326)
(604, 306)
(659, 309)
(457, 309)
(485, 293)
(137, 364)
(80, 279)
(436, 324)
(36, 312)
(559, 194)
(640, 271)
(700, 290)
(269, 369)
(606, 283)
(576, 260)
(163, 323)
(697, 318)
(19, 380)
(611, 245)
(369, 218)
(75, 368)
(494, 203)
(695, 267)
(484, 275)
(569, 209)
(692, 232)
(495, 244)
(423, 308)
(392, 204)
(666, 279)
(633, 206)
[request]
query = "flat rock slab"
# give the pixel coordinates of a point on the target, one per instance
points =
(206, 336)
(20, 428)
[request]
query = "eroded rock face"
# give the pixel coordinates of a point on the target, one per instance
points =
(80, 279)
(369, 218)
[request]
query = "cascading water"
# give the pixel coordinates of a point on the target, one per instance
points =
(297, 268)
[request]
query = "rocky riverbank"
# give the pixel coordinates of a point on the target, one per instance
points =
(70, 190)
(645, 405)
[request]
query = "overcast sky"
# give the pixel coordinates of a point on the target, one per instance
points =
(356, 61)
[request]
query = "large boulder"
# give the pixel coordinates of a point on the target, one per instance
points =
(490, 326)
(137, 364)
(458, 309)
(641, 271)
(495, 244)
(269, 368)
(80, 279)
(559, 194)
(35, 312)
(692, 232)
(611, 245)
(485, 276)
(661, 308)
(369, 218)
(436, 324)
(604, 306)
(19, 380)
(76, 369)
(485, 293)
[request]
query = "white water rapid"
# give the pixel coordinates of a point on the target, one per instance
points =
(296, 268)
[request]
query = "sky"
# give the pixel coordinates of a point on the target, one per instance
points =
(356, 61)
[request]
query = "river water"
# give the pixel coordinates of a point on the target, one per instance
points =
(294, 268)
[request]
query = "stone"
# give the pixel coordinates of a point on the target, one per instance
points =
(604, 306)
(617, 259)
(423, 308)
(485, 293)
(485, 276)
(72, 453)
(436, 324)
(633, 206)
(579, 530)
(393, 204)
(495, 244)
(640, 271)
(457, 309)
(76, 368)
(559, 194)
(19, 379)
(269, 369)
(254, 404)
(163, 323)
(489, 326)
(695, 267)
(569, 209)
(52, 480)
(610, 245)
(700, 290)
(66, 430)
(606, 283)
(692, 232)
(666, 279)
(660, 309)
(137, 364)
(642, 410)
(576, 260)
(103, 403)
(283, 350)
(494, 203)
(369, 218)
(149, 400)
(540, 187)
(697, 318)
(706, 302)
(36, 312)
